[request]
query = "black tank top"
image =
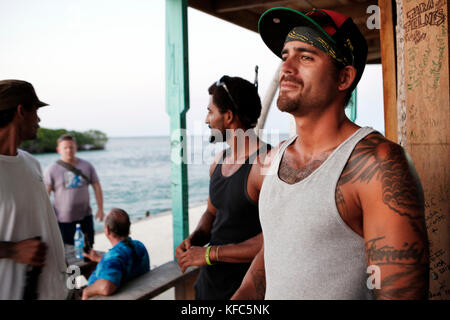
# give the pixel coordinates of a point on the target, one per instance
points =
(237, 220)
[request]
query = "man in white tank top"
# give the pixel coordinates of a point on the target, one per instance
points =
(32, 261)
(342, 207)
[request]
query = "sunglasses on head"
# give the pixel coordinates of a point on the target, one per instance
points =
(221, 83)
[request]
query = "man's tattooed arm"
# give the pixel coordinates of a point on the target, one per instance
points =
(405, 269)
(376, 159)
(253, 285)
(392, 204)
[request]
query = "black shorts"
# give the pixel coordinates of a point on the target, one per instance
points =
(68, 229)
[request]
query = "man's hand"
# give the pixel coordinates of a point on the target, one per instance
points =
(183, 246)
(99, 198)
(30, 251)
(100, 215)
(181, 249)
(195, 256)
(100, 287)
(199, 237)
(93, 256)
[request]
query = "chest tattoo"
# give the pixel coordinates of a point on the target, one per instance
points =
(290, 174)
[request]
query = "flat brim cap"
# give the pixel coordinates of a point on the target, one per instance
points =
(275, 24)
(15, 92)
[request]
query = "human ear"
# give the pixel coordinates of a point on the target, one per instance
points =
(346, 77)
(20, 111)
(228, 116)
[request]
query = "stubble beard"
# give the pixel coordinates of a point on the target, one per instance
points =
(296, 105)
(217, 135)
(301, 106)
(289, 105)
(29, 135)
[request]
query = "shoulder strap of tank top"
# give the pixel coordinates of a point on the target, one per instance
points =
(264, 148)
(285, 144)
(273, 169)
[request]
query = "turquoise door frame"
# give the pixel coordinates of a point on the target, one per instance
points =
(177, 104)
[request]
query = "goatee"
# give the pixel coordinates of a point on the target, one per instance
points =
(216, 136)
(286, 104)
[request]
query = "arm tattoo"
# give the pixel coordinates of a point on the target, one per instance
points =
(259, 282)
(410, 279)
(376, 158)
(340, 202)
(409, 254)
(406, 267)
(413, 284)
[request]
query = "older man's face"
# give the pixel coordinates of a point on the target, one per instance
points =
(67, 149)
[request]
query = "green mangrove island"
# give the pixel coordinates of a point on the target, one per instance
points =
(46, 140)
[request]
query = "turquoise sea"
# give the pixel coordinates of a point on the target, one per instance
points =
(135, 174)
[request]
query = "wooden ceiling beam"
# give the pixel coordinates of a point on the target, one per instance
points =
(355, 9)
(221, 6)
(243, 18)
(233, 11)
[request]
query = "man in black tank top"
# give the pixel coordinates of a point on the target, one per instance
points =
(230, 226)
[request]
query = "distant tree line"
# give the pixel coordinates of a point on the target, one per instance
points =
(46, 140)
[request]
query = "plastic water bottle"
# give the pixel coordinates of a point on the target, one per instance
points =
(78, 240)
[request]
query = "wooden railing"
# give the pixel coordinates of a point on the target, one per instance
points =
(155, 282)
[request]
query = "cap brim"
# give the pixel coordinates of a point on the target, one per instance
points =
(41, 104)
(275, 24)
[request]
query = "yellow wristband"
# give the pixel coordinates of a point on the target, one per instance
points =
(208, 262)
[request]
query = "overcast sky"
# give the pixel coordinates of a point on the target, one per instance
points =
(100, 64)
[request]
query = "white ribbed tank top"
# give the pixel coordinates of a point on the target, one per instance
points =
(309, 251)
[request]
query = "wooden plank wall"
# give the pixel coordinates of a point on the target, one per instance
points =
(424, 120)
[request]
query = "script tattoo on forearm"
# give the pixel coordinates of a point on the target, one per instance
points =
(410, 280)
(409, 254)
(376, 158)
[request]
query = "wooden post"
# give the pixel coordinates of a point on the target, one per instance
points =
(177, 104)
(424, 121)
(267, 102)
(388, 65)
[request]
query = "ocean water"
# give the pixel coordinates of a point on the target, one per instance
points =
(135, 174)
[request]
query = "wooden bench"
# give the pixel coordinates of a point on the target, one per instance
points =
(86, 266)
(156, 281)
